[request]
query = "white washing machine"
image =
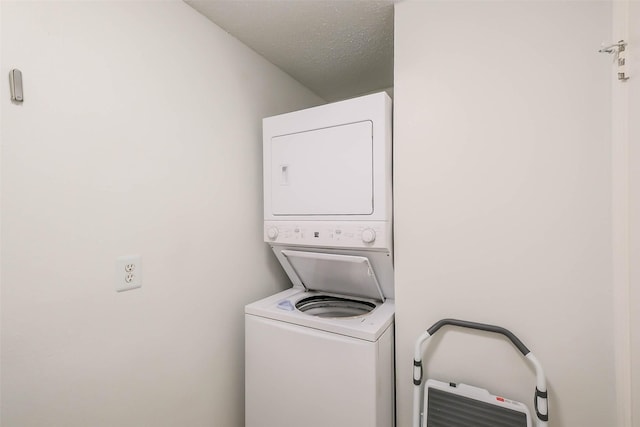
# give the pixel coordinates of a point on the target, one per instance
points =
(307, 370)
(322, 352)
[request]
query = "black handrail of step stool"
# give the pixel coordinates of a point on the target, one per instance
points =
(481, 327)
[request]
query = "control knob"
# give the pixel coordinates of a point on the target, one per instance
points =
(368, 235)
(272, 233)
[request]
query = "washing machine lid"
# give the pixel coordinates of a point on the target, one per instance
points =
(336, 273)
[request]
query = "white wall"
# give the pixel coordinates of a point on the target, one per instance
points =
(140, 134)
(502, 163)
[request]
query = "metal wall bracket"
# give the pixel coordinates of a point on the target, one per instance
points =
(15, 83)
(618, 49)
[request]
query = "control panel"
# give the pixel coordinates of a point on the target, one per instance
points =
(370, 234)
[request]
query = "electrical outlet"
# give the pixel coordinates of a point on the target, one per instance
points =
(128, 272)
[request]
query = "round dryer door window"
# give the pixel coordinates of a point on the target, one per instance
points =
(331, 306)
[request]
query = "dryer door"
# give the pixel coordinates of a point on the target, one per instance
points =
(323, 171)
(335, 273)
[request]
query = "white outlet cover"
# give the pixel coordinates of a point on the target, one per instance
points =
(128, 274)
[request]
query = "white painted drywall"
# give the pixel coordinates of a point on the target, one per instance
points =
(140, 133)
(338, 49)
(502, 188)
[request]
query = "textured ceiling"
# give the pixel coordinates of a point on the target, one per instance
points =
(336, 48)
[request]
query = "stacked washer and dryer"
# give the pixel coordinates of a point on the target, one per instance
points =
(322, 352)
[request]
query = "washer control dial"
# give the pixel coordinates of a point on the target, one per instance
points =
(272, 233)
(368, 235)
